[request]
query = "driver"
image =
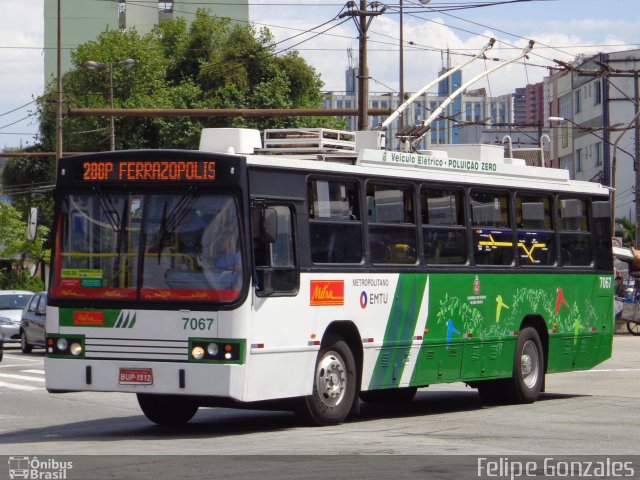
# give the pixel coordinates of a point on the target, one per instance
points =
(228, 257)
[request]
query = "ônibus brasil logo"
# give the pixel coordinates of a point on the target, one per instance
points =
(36, 469)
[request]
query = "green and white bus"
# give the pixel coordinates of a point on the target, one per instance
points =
(314, 274)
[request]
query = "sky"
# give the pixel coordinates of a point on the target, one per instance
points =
(561, 30)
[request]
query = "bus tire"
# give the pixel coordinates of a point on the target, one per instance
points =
(528, 368)
(334, 385)
(167, 409)
(389, 395)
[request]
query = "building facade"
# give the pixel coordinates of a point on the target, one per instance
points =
(598, 138)
(83, 20)
(471, 108)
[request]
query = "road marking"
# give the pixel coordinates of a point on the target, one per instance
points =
(599, 370)
(14, 386)
(21, 377)
(20, 359)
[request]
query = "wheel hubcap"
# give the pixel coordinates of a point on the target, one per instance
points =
(529, 364)
(331, 378)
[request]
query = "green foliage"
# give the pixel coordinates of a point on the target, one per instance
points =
(16, 251)
(20, 176)
(212, 64)
(627, 230)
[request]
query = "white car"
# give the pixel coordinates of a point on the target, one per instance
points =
(12, 302)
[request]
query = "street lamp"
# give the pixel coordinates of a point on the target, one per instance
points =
(92, 65)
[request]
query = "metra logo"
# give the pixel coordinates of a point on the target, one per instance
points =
(88, 318)
(327, 292)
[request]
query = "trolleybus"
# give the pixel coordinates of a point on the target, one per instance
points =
(316, 274)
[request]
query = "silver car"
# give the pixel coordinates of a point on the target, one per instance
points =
(12, 302)
(32, 326)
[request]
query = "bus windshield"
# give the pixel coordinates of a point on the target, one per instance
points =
(156, 247)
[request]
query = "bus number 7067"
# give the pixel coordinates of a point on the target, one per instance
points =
(192, 323)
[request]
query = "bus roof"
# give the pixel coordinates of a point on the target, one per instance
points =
(461, 171)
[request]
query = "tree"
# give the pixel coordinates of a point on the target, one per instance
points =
(626, 230)
(211, 64)
(17, 253)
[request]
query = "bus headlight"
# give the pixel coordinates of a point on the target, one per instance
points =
(65, 346)
(75, 349)
(212, 349)
(62, 344)
(216, 350)
(197, 352)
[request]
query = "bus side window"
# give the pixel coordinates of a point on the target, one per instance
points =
(575, 236)
(335, 229)
(275, 262)
(601, 232)
(392, 228)
(536, 238)
(444, 233)
(492, 235)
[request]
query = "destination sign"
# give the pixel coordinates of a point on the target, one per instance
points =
(148, 171)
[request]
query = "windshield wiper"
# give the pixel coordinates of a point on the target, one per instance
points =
(108, 208)
(170, 221)
(163, 229)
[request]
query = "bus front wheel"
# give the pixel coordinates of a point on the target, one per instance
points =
(167, 409)
(334, 385)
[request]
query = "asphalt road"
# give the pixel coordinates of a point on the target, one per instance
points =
(592, 413)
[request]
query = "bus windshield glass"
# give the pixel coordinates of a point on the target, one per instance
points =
(154, 247)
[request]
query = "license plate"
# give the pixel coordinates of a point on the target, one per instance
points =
(135, 376)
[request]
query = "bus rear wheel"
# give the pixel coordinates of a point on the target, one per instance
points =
(528, 368)
(528, 374)
(334, 385)
(167, 409)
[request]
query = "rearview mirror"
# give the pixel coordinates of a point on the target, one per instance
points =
(32, 224)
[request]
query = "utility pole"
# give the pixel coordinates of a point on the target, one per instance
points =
(59, 91)
(362, 24)
(636, 143)
(401, 59)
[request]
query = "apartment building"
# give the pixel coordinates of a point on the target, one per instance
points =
(598, 98)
